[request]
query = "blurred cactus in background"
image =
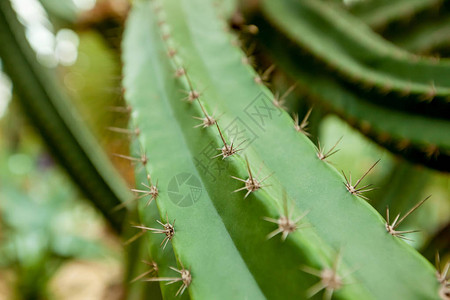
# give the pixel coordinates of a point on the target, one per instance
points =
(240, 149)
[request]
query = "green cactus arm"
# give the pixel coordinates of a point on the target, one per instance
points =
(60, 125)
(221, 228)
(382, 13)
(363, 60)
(418, 138)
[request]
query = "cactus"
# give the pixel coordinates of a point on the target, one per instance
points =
(363, 61)
(180, 63)
(233, 199)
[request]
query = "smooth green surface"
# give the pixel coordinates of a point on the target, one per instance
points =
(222, 236)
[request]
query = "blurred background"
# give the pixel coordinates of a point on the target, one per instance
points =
(55, 245)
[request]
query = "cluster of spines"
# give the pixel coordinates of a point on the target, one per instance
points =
(330, 280)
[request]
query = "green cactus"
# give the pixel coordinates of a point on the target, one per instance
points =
(233, 201)
(179, 50)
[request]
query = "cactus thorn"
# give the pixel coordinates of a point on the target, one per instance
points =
(442, 273)
(143, 159)
(124, 130)
(442, 277)
(171, 52)
(431, 151)
(303, 126)
(180, 72)
(320, 152)
(120, 109)
(168, 230)
(251, 183)
(286, 224)
(153, 270)
(265, 75)
(280, 101)
(358, 191)
(185, 278)
(226, 150)
(152, 191)
(134, 237)
(429, 96)
(390, 228)
(330, 280)
(192, 95)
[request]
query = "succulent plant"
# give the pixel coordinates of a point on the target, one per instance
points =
(234, 201)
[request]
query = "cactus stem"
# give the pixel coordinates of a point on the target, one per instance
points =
(329, 280)
(358, 191)
(320, 152)
(185, 277)
(168, 230)
(153, 270)
(303, 126)
(124, 130)
(390, 228)
(226, 150)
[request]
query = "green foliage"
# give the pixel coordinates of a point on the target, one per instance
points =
(418, 137)
(38, 223)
